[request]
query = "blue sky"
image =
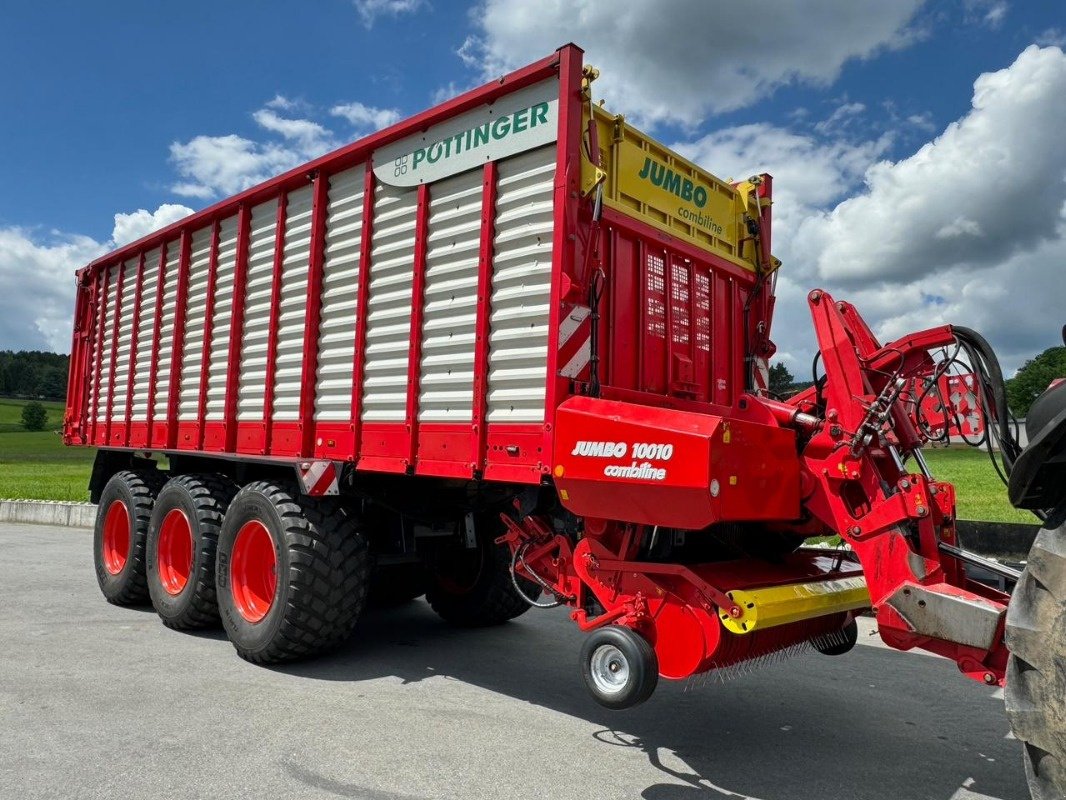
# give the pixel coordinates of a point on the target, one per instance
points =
(899, 185)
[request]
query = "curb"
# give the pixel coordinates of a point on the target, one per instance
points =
(48, 512)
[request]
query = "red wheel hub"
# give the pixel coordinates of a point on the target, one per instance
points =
(253, 571)
(175, 552)
(116, 542)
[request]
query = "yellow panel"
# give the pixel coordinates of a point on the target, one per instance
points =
(650, 182)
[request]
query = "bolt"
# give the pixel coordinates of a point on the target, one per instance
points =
(835, 431)
(904, 484)
(920, 511)
(816, 296)
(736, 612)
(855, 530)
(990, 678)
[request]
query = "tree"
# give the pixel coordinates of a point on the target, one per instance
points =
(1033, 378)
(780, 380)
(34, 416)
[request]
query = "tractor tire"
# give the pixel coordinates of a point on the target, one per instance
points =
(396, 585)
(291, 572)
(1035, 691)
(473, 588)
(121, 532)
(182, 543)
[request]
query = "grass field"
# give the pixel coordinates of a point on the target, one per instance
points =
(36, 466)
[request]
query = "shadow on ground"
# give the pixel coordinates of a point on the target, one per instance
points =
(808, 727)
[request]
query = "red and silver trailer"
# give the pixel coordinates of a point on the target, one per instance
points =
(513, 351)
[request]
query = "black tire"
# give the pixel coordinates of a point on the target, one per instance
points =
(395, 585)
(473, 588)
(320, 558)
(839, 642)
(1035, 692)
(619, 667)
(184, 596)
(120, 570)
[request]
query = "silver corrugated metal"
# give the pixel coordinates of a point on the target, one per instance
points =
(258, 285)
(294, 271)
(225, 276)
(340, 282)
(166, 330)
(389, 312)
(446, 383)
(110, 320)
(195, 325)
(142, 369)
(521, 288)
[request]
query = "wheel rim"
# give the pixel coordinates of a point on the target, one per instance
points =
(116, 544)
(175, 552)
(609, 669)
(253, 571)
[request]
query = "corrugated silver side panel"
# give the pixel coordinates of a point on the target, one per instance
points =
(389, 313)
(521, 287)
(340, 282)
(142, 368)
(446, 383)
(110, 320)
(195, 324)
(258, 285)
(225, 276)
(166, 331)
(295, 261)
(125, 341)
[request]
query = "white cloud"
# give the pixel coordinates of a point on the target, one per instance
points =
(681, 60)
(989, 13)
(985, 190)
(970, 229)
(1053, 37)
(131, 227)
(365, 119)
(370, 10)
(213, 166)
(37, 276)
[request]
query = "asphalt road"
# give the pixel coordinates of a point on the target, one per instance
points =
(104, 702)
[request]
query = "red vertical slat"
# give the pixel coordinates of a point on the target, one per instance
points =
(177, 346)
(156, 329)
(205, 351)
(481, 324)
(236, 330)
(117, 325)
(104, 278)
(313, 313)
(418, 301)
(362, 305)
(75, 416)
(275, 314)
(134, 334)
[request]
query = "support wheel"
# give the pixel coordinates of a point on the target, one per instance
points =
(839, 642)
(182, 539)
(472, 587)
(619, 667)
(120, 534)
(1035, 693)
(291, 573)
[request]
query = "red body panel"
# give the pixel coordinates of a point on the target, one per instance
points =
(679, 469)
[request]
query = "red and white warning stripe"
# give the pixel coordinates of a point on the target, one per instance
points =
(318, 478)
(575, 342)
(762, 376)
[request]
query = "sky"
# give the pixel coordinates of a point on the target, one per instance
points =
(916, 147)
